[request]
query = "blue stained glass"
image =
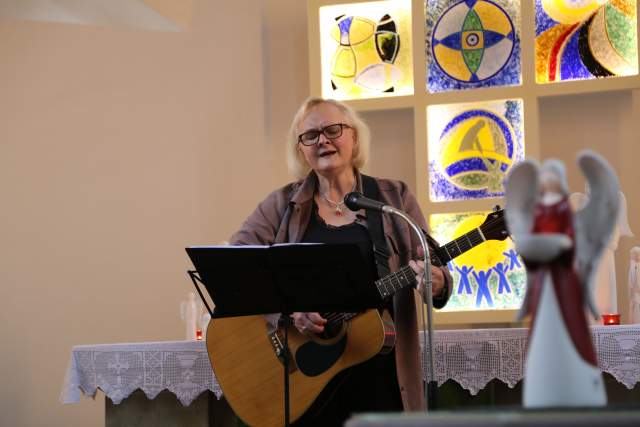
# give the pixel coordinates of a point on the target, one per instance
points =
(571, 66)
(472, 147)
(344, 26)
(543, 21)
(489, 276)
(491, 37)
(453, 41)
(580, 40)
(499, 64)
(465, 165)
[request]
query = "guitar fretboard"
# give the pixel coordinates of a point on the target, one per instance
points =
(460, 245)
(393, 282)
(334, 319)
(493, 228)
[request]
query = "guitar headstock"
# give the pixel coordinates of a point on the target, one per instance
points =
(494, 226)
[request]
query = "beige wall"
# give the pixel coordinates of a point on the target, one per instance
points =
(118, 148)
(608, 123)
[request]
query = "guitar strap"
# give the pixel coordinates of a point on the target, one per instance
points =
(371, 190)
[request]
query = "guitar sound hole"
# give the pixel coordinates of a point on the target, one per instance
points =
(332, 329)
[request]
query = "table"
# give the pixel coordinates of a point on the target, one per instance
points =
(472, 358)
(181, 367)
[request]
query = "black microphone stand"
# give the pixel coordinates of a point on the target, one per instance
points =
(356, 201)
(431, 384)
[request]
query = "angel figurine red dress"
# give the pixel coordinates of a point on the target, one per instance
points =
(559, 251)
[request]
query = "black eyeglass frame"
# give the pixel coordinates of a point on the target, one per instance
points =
(322, 131)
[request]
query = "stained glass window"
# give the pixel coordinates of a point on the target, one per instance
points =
(489, 276)
(366, 50)
(585, 39)
(472, 43)
(472, 147)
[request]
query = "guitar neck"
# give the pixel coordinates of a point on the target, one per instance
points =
(393, 282)
(459, 246)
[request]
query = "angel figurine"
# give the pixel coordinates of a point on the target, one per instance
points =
(560, 251)
(634, 285)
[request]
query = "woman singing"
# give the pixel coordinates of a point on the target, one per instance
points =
(328, 146)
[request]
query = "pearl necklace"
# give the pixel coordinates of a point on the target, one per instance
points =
(338, 210)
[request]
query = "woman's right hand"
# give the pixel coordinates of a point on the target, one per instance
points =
(309, 323)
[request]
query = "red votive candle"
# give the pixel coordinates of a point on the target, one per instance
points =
(199, 334)
(611, 319)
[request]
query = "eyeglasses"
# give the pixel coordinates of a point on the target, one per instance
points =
(311, 137)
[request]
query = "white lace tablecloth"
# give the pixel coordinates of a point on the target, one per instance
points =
(181, 367)
(472, 358)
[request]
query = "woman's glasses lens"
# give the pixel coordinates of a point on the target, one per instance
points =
(333, 131)
(311, 137)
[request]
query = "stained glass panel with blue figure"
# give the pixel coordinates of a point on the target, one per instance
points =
(491, 276)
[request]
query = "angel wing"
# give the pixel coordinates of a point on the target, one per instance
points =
(595, 222)
(578, 201)
(521, 192)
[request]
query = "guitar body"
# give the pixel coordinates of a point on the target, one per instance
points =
(244, 352)
(250, 374)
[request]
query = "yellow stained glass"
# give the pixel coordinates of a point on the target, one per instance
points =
(366, 50)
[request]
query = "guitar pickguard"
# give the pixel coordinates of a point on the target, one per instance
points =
(313, 359)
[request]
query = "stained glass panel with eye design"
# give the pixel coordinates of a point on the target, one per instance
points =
(472, 44)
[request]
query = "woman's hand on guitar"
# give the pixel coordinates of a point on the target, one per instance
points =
(437, 275)
(309, 323)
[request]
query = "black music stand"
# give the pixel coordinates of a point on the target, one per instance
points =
(251, 280)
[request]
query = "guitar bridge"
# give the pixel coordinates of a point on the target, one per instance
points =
(277, 343)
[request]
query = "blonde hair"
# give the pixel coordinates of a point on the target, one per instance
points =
(296, 162)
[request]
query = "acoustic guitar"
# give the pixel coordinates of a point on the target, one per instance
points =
(246, 352)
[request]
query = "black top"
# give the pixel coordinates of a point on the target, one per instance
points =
(318, 231)
(371, 386)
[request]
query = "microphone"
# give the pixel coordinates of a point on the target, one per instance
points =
(356, 201)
